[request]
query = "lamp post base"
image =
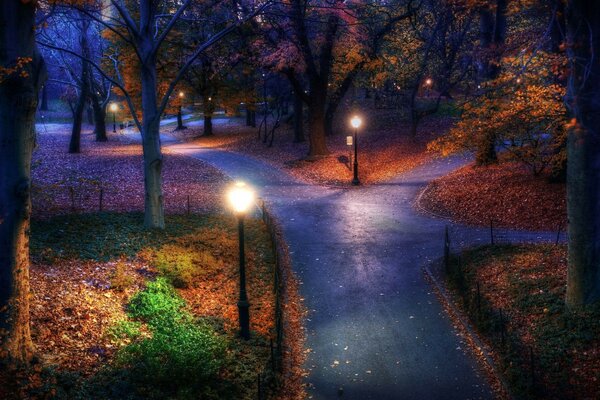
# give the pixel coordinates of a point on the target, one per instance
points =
(355, 182)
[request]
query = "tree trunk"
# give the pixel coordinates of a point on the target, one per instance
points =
(44, 106)
(89, 113)
(99, 119)
(208, 128)
(316, 127)
(75, 142)
(298, 119)
(583, 170)
(18, 104)
(153, 205)
(180, 125)
(209, 109)
(486, 151)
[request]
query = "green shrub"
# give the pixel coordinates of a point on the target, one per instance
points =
(180, 351)
(159, 305)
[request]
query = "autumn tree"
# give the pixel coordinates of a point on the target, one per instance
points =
(22, 74)
(583, 171)
(322, 47)
(143, 28)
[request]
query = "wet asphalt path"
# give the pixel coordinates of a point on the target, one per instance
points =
(375, 329)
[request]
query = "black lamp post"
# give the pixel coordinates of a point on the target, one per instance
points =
(113, 108)
(240, 198)
(355, 122)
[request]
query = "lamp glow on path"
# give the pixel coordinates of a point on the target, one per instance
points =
(114, 108)
(241, 198)
(356, 122)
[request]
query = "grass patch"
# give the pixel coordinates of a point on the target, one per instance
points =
(543, 349)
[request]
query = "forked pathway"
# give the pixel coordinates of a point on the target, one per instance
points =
(375, 329)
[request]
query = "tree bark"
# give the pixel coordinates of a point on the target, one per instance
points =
(99, 119)
(316, 126)
(84, 92)
(153, 205)
(209, 109)
(583, 169)
(75, 142)
(18, 104)
(180, 125)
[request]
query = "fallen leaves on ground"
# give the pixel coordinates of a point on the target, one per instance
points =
(113, 170)
(507, 194)
(385, 148)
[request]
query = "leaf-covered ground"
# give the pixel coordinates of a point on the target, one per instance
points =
(527, 283)
(385, 147)
(506, 193)
(65, 182)
(87, 266)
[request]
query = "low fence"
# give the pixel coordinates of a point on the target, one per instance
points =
(89, 198)
(270, 379)
(491, 321)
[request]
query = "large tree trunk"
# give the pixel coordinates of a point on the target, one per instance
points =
(18, 104)
(298, 119)
(316, 127)
(154, 211)
(583, 171)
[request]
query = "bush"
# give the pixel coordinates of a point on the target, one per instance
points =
(180, 351)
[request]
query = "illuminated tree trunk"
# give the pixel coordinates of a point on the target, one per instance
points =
(583, 170)
(18, 104)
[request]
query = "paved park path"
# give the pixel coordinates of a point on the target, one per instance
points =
(375, 328)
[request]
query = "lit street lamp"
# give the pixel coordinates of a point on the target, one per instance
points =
(240, 198)
(355, 122)
(114, 108)
(179, 117)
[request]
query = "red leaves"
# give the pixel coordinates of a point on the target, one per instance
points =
(507, 194)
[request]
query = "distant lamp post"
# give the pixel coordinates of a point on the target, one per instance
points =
(114, 108)
(428, 84)
(240, 198)
(179, 117)
(355, 122)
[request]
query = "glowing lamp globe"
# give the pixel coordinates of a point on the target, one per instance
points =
(240, 197)
(113, 107)
(428, 82)
(356, 122)
(181, 94)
